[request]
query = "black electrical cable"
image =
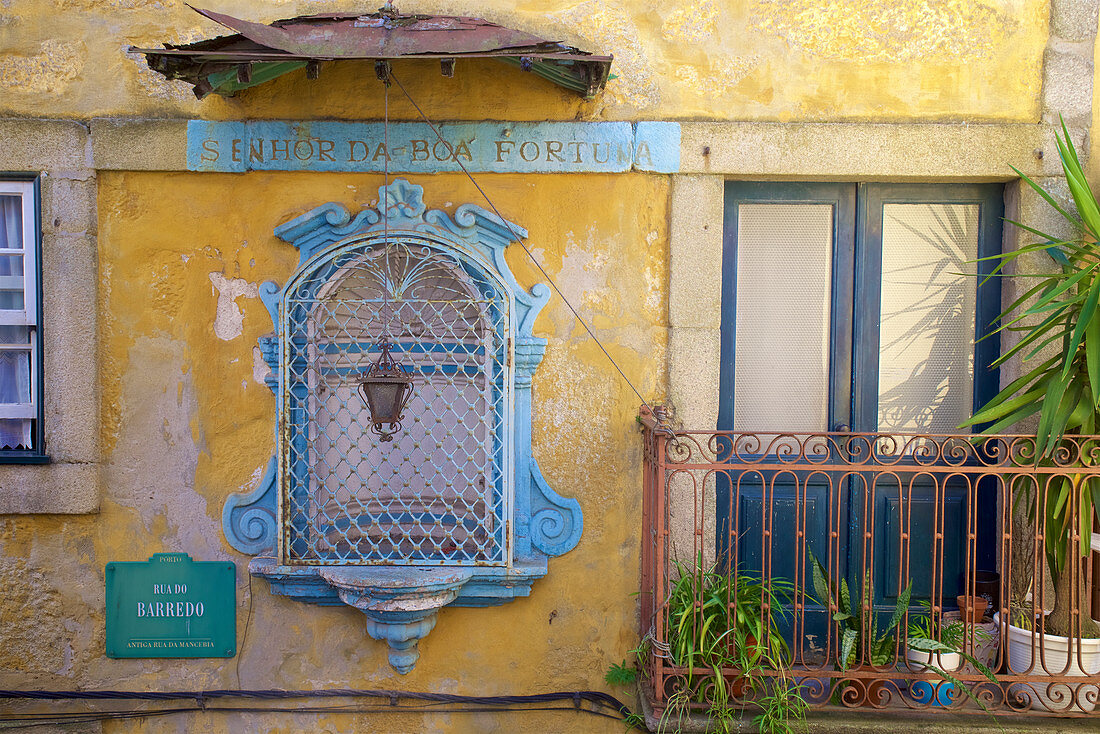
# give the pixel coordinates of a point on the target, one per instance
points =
(596, 697)
(601, 701)
(435, 703)
(71, 717)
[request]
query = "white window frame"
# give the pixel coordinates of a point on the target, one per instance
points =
(28, 315)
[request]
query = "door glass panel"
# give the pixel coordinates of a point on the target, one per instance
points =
(926, 360)
(784, 275)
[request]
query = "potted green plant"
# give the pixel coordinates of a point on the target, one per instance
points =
(856, 644)
(941, 650)
(1063, 390)
(728, 620)
(880, 644)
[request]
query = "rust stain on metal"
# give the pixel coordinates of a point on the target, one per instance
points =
(382, 35)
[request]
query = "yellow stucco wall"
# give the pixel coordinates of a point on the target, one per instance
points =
(185, 423)
(700, 59)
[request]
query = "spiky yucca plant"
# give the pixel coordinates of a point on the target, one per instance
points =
(1061, 311)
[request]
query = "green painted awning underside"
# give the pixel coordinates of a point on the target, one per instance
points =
(259, 53)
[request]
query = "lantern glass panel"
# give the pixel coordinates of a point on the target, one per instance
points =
(384, 397)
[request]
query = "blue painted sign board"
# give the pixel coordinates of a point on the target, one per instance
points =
(414, 147)
(171, 607)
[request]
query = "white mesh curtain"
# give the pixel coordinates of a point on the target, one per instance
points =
(15, 367)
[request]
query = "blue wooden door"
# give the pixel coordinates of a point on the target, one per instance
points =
(920, 366)
(788, 266)
(847, 308)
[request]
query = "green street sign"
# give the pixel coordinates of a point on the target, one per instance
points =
(171, 607)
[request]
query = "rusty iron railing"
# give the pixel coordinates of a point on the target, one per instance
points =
(732, 516)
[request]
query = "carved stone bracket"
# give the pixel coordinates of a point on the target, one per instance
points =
(249, 519)
(556, 521)
(401, 604)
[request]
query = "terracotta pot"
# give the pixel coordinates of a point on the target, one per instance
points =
(972, 608)
(738, 685)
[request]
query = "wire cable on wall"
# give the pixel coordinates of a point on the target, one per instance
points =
(595, 703)
(519, 240)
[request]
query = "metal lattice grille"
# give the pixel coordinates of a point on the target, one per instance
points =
(438, 493)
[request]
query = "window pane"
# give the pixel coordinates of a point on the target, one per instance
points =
(11, 266)
(15, 434)
(15, 376)
(11, 222)
(926, 361)
(11, 300)
(784, 264)
(15, 335)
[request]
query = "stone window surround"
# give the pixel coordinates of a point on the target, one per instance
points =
(695, 240)
(58, 152)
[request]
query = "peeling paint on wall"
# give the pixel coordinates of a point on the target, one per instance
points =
(723, 76)
(153, 475)
(871, 30)
(94, 5)
(609, 26)
(260, 370)
(229, 321)
(49, 71)
(29, 625)
(702, 59)
(691, 23)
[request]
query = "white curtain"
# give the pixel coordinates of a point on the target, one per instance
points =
(15, 367)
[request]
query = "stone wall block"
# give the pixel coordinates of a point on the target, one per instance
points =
(1074, 20)
(63, 489)
(860, 151)
(139, 145)
(69, 346)
(69, 204)
(39, 145)
(695, 252)
(694, 360)
(1024, 204)
(1067, 83)
(1028, 206)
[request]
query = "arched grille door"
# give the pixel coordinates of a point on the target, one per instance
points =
(440, 491)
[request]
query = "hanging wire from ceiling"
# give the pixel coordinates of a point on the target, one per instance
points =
(519, 240)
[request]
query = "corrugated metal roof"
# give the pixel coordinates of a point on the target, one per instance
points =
(257, 52)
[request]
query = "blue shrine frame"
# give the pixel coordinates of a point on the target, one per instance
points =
(542, 523)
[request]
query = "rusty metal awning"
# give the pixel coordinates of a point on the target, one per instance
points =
(258, 53)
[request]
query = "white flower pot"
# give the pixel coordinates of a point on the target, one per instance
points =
(948, 662)
(1030, 654)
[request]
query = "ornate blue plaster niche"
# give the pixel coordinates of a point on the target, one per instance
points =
(401, 601)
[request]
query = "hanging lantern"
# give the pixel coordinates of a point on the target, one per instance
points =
(386, 388)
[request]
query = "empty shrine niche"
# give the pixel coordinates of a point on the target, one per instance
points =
(438, 490)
